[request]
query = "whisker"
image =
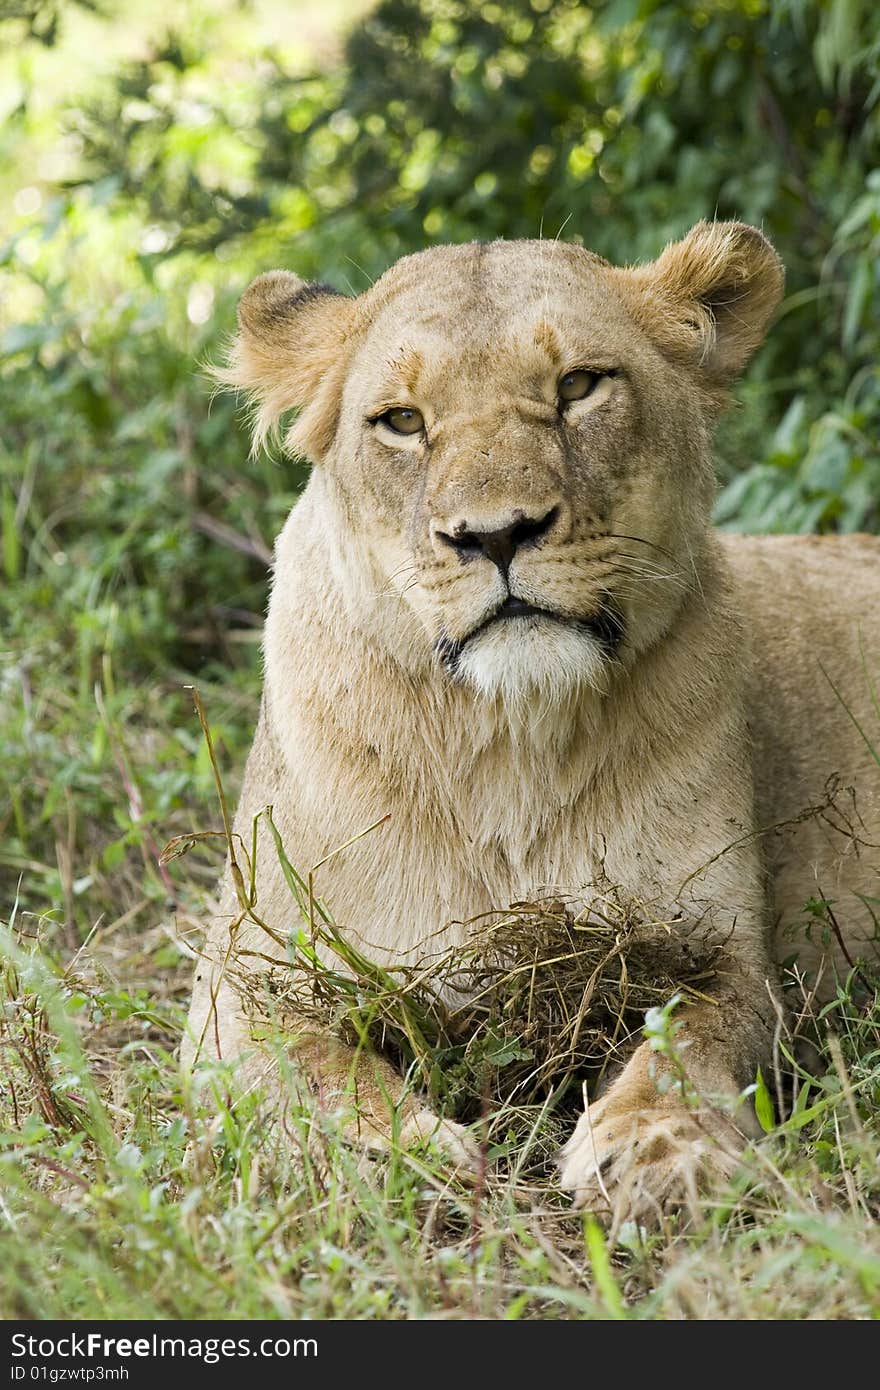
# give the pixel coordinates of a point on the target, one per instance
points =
(640, 540)
(652, 576)
(693, 564)
(406, 565)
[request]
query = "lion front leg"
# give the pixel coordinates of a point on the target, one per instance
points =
(671, 1124)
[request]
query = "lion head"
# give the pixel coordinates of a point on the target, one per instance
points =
(517, 437)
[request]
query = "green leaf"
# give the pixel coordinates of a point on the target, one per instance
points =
(764, 1104)
(11, 538)
(603, 1275)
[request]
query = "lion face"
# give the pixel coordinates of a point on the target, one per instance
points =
(508, 450)
(518, 437)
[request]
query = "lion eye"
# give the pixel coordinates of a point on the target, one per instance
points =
(575, 386)
(403, 419)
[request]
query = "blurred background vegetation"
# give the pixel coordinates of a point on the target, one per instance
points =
(154, 158)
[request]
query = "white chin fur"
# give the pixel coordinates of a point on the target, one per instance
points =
(526, 657)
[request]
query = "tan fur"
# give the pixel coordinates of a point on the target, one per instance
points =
(528, 755)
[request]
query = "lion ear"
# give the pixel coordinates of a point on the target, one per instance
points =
(709, 298)
(289, 353)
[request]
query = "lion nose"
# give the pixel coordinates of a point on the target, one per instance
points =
(501, 543)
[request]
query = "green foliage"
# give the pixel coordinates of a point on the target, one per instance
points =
(35, 19)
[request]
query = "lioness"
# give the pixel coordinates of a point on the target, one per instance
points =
(501, 618)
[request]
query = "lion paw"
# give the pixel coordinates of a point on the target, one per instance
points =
(451, 1138)
(640, 1164)
(421, 1126)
